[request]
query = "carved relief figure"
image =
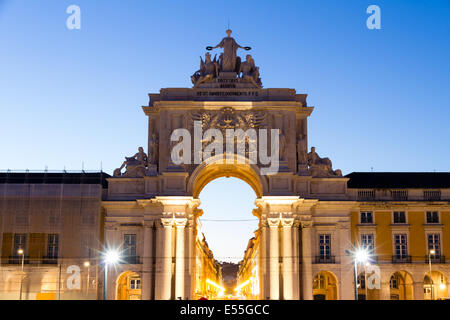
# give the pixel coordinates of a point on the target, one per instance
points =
(250, 72)
(153, 149)
(301, 149)
(230, 46)
(135, 166)
(283, 144)
(320, 166)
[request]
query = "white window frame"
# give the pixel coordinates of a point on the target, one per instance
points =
(402, 223)
(400, 232)
(432, 223)
(367, 223)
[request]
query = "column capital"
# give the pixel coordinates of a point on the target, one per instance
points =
(287, 222)
(180, 222)
(167, 222)
(273, 222)
(306, 224)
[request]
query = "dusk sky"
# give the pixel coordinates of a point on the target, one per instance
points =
(381, 97)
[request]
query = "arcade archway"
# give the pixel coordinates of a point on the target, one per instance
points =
(435, 288)
(128, 286)
(227, 224)
(325, 286)
(401, 286)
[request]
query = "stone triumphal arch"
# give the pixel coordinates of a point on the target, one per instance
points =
(155, 198)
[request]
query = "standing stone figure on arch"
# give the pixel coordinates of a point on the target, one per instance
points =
(229, 57)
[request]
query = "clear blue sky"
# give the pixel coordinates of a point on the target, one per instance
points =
(382, 97)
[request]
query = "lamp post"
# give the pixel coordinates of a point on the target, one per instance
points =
(88, 266)
(431, 252)
(22, 253)
(111, 257)
(359, 256)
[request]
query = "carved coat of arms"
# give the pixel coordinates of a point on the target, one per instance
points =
(228, 118)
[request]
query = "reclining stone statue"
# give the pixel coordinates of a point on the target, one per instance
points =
(321, 167)
(207, 72)
(135, 166)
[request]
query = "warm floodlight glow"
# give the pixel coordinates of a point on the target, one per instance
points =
(361, 255)
(239, 287)
(432, 251)
(442, 286)
(222, 289)
(112, 257)
(20, 251)
(87, 264)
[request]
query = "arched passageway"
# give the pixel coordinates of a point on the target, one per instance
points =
(325, 286)
(401, 286)
(128, 286)
(227, 224)
(436, 287)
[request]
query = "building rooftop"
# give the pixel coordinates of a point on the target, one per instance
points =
(402, 180)
(63, 177)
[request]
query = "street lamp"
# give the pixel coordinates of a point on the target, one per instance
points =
(111, 257)
(359, 256)
(87, 265)
(431, 252)
(22, 253)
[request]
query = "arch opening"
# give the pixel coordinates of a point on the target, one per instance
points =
(435, 287)
(224, 227)
(401, 286)
(325, 286)
(128, 286)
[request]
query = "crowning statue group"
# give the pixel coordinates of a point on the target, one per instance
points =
(228, 62)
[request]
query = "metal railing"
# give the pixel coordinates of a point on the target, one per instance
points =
(401, 259)
(130, 260)
(435, 259)
(325, 259)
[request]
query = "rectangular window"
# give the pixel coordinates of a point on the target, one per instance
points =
(432, 217)
(399, 217)
(52, 246)
(367, 243)
(20, 242)
(135, 284)
(434, 243)
(325, 246)
(366, 217)
(129, 245)
(401, 249)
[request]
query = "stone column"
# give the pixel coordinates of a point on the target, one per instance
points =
(296, 261)
(288, 269)
(166, 284)
(385, 291)
(264, 273)
(418, 291)
(307, 262)
(274, 274)
(147, 262)
(179, 261)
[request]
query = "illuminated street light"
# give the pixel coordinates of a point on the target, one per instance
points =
(22, 253)
(111, 257)
(360, 255)
(431, 252)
